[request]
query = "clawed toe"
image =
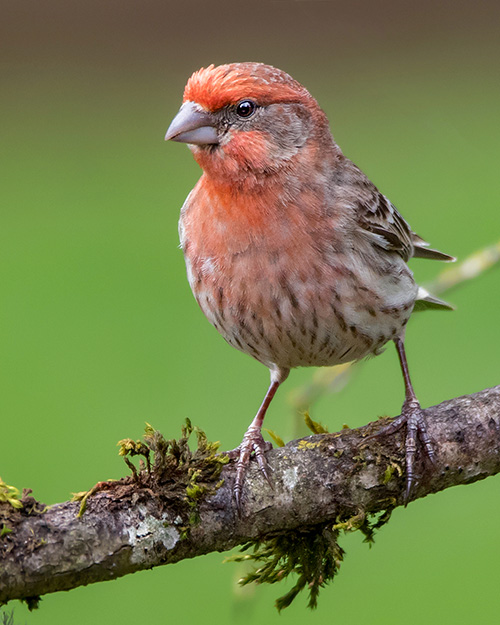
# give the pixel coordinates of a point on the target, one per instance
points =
(233, 454)
(252, 443)
(394, 426)
(416, 429)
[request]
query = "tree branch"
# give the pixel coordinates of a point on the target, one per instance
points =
(131, 525)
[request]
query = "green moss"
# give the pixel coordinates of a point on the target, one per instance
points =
(276, 438)
(366, 524)
(312, 555)
(391, 469)
(352, 523)
(177, 471)
(4, 531)
(10, 495)
(32, 602)
(315, 426)
(305, 444)
(179, 476)
(83, 496)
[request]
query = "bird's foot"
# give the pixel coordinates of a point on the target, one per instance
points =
(252, 442)
(413, 417)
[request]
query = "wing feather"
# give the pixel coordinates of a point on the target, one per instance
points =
(387, 229)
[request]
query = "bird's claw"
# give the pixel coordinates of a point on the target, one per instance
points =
(413, 417)
(252, 442)
(233, 454)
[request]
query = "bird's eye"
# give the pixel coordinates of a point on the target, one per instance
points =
(246, 108)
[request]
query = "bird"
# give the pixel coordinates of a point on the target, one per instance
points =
(292, 253)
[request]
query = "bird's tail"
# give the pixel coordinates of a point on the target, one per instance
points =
(426, 301)
(421, 249)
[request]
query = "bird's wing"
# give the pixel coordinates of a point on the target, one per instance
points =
(387, 229)
(385, 226)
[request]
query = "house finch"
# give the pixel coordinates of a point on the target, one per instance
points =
(292, 253)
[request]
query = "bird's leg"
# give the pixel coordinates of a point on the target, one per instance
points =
(253, 441)
(412, 416)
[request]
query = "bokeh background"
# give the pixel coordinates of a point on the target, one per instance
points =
(99, 331)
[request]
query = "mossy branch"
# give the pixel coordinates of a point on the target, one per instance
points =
(180, 505)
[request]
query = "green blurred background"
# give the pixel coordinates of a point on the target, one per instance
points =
(99, 331)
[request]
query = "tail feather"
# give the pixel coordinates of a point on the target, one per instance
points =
(421, 249)
(427, 252)
(426, 301)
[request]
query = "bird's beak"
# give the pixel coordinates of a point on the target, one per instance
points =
(192, 125)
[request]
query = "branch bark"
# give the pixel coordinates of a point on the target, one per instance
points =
(130, 526)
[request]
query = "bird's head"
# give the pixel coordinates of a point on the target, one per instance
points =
(247, 120)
